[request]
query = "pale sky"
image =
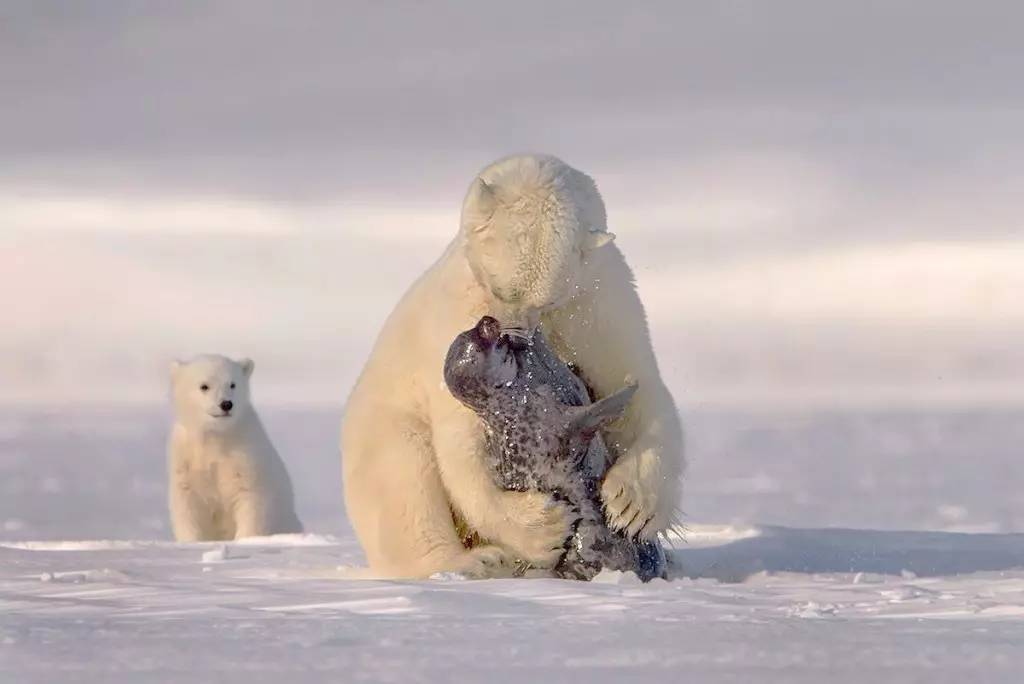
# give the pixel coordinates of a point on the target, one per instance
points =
(819, 201)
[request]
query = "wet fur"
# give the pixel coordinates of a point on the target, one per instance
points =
(542, 432)
(412, 454)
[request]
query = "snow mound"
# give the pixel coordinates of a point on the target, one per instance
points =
(271, 609)
(284, 540)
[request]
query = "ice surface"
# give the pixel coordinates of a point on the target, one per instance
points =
(897, 593)
(114, 612)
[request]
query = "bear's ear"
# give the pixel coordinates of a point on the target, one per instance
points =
(481, 201)
(597, 239)
(175, 367)
(247, 366)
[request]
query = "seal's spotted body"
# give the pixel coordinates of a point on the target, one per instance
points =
(543, 434)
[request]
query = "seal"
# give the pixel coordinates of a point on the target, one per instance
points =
(544, 433)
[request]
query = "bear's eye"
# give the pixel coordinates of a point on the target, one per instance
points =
(204, 387)
(232, 385)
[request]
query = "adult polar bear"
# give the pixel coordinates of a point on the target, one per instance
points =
(533, 247)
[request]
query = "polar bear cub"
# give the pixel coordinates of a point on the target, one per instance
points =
(226, 479)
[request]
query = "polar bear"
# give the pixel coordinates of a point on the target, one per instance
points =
(533, 248)
(226, 479)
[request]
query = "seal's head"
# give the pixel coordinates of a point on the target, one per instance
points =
(479, 360)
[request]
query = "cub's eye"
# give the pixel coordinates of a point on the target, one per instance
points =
(232, 385)
(204, 387)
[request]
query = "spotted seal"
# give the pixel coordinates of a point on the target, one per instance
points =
(544, 434)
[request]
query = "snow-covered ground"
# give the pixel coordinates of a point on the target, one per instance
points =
(829, 546)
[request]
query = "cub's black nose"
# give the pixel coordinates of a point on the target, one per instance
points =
(226, 406)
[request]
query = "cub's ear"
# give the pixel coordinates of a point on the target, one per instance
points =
(175, 366)
(247, 366)
(597, 239)
(481, 201)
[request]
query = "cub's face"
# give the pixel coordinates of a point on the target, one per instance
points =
(211, 392)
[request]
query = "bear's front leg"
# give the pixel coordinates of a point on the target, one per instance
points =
(531, 525)
(605, 334)
(186, 522)
(250, 514)
(397, 502)
(633, 490)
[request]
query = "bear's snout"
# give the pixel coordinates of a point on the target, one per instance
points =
(226, 405)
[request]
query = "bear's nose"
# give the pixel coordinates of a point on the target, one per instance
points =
(226, 406)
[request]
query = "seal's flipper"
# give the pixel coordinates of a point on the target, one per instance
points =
(589, 419)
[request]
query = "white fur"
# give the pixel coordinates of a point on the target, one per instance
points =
(226, 479)
(533, 246)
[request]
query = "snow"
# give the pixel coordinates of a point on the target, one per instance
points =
(865, 572)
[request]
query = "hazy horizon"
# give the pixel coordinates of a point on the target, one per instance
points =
(815, 206)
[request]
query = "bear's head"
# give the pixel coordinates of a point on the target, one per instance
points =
(211, 392)
(530, 224)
